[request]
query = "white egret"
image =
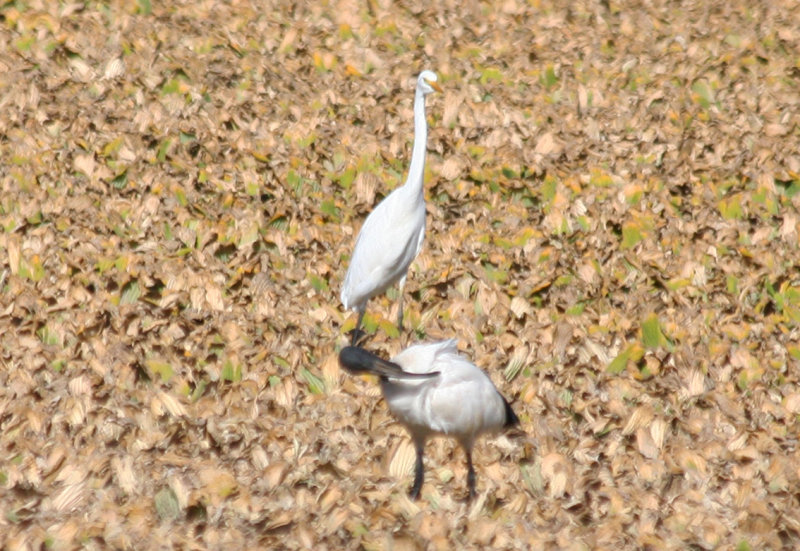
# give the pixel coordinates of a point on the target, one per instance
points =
(392, 234)
(431, 389)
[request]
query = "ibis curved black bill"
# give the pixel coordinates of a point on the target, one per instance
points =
(356, 361)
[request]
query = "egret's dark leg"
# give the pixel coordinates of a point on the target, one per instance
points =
(400, 306)
(400, 313)
(357, 333)
(470, 475)
(419, 472)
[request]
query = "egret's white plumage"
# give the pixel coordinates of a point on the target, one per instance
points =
(392, 234)
(432, 389)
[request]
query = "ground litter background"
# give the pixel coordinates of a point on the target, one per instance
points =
(612, 235)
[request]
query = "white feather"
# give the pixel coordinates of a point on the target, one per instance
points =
(456, 398)
(461, 402)
(392, 234)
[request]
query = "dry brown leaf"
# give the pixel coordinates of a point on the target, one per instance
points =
(402, 461)
(69, 498)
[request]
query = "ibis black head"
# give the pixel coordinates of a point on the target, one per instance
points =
(356, 360)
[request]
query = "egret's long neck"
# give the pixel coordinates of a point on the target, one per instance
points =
(417, 169)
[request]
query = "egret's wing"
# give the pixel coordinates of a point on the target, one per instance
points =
(356, 360)
(388, 242)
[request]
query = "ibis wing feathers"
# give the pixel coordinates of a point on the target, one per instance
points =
(479, 407)
(462, 402)
(423, 358)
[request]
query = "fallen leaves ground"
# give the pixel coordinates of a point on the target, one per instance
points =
(613, 235)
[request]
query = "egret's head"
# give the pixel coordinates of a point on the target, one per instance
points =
(427, 82)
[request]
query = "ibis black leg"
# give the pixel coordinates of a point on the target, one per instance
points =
(419, 472)
(470, 476)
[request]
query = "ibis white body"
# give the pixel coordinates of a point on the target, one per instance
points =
(392, 234)
(432, 389)
(461, 402)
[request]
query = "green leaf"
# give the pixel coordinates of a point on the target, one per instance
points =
(503, 243)
(703, 93)
(576, 309)
(130, 292)
(172, 86)
(732, 284)
(633, 352)
(318, 283)
(48, 336)
(37, 269)
(306, 141)
(346, 178)
(120, 180)
(104, 264)
(600, 178)
(495, 274)
(25, 43)
(161, 369)
(295, 181)
(491, 74)
(731, 207)
(549, 78)
(143, 7)
(180, 196)
(789, 187)
(509, 173)
(163, 148)
(329, 208)
(279, 222)
(631, 235)
(678, 283)
(315, 384)
(619, 363)
(112, 147)
(167, 505)
(532, 477)
(35, 219)
(121, 263)
(198, 390)
(548, 190)
(389, 328)
(251, 188)
(652, 337)
(231, 372)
